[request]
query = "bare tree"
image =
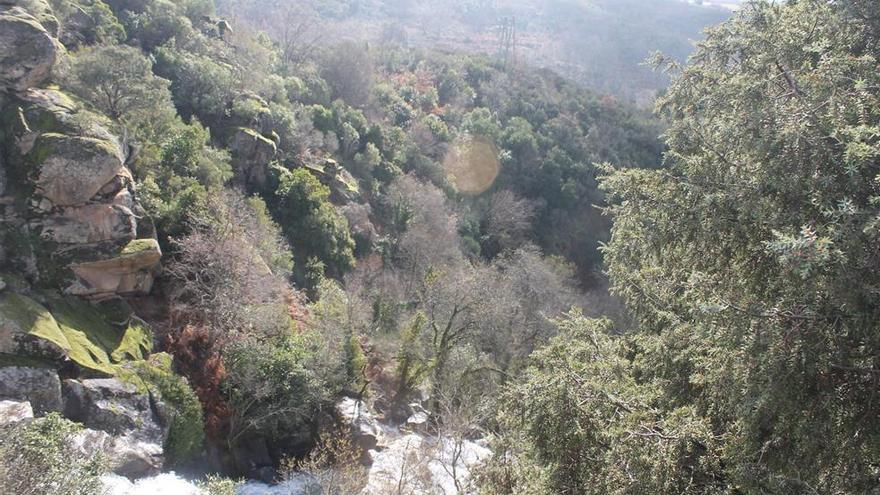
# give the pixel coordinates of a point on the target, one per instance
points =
(231, 268)
(428, 229)
(507, 222)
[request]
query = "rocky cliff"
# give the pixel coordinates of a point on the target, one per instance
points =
(75, 243)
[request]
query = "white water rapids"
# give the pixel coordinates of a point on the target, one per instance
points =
(421, 463)
(172, 484)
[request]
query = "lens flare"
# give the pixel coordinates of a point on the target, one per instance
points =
(472, 164)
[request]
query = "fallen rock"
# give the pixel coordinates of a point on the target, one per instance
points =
(12, 411)
(27, 50)
(419, 422)
(39, 386)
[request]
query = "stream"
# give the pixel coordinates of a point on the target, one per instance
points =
(403, 457)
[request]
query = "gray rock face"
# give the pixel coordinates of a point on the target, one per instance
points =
(110, 405)
(127, 455)
(76, 168)
(252, 153)
(90, 224)
(121, 421)
(41, 387)
(27, 50)
(12, 411)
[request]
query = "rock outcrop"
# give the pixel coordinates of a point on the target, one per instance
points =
(27, 50)
(121, 421)
(251, 153)
(67, 200)
(129, 271)
(41, 387)
(71, 229)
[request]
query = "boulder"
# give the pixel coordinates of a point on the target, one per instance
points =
(252, 153)
(110, 405)
(127, 425)
(12, 411)
(418, 422)
(27, 50)
(39, 386)
(91, 224)
(127, 455)
(73, 168)
(46, 110)
(128, 271)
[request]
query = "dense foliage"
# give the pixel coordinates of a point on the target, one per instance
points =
(750, 266)
(402, 225)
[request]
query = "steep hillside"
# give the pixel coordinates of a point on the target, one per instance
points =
(208, 243)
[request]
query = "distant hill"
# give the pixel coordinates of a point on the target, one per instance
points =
(600, 43)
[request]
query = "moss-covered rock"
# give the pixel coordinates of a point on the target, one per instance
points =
(27, 328)
(36, 112)
(94, 339)
(66, 328)
(251, 152)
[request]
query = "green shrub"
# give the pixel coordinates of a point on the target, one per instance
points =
(36, 458)
(218, 485)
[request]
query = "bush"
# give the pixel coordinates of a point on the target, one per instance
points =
(36, 458)
(312, 224)
(272, 388)
(217, 485)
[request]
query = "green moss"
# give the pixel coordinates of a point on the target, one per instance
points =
(137, 246)
(31, 317)
(186, 430)
(95, 343)
(79, 329)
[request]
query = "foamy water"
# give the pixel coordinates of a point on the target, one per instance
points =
(172, 484)
(163, 484)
